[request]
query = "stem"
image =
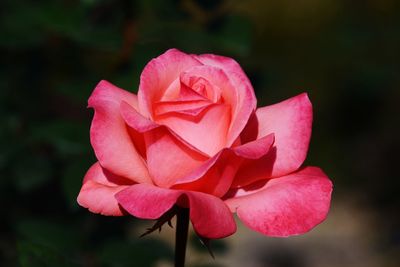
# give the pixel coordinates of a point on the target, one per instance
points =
(182, 226)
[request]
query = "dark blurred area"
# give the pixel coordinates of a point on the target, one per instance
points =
(345, 54)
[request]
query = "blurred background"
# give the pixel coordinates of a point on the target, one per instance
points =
(345, 54)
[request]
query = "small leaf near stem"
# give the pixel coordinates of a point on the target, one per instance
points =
(207, 243)
(166, 218)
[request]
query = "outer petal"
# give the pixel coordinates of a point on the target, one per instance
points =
(210, 217)
(98, 190)
(159, 74)
(291, 122)
(109, 136)
(247, 101)
(289, 205)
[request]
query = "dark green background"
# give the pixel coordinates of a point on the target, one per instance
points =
(345, 54)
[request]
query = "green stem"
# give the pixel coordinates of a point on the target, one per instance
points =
(182, 226)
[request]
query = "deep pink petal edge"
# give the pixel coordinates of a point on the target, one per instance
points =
(98, 190)
(210, 217)
(291, 123)
(284, 206)
(109, 137)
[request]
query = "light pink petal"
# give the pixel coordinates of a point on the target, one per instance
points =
(168, 158)
(216, 80)
(142, 125)
(186, 93)
(284, 206)
(229, 65)
(291, 122)
(109, 136)
(159, 74)
(206, 133)
(214, 177)
(246, 100)
(210, 217)
(193, 108)
(216, 174)
(98, 190)
(135, 120)
(171, 93)
(193, 82)
(255, 149)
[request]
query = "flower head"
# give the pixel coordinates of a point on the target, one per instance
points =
(194, 138)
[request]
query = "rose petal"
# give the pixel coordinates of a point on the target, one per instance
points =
(188, 94)
(229, 65)
(213, 177)
(217, 80)
(193, 108)
(193, 83)
(246, 100)
(291, 122)
(207, 133)
(135, 120)
(168, 158)
(216, 174)
(210, 217)
(284, 206)
(159, 74)
(142, 125)
(255, 149)
(98, 190)
(109, 136)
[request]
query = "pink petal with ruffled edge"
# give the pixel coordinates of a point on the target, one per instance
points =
(98, 190)
(207, 132)
(172, 162)
(198, 84)
(192, 108)
(216, 174)
(210, 217)
(159, 74)
(188, 94)
(246, 100)
(291, 122)
(284, 206)
(109, 136)
(168, 158)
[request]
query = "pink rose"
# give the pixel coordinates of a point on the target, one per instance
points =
(193, 137)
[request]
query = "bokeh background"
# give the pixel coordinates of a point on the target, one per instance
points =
(345, 54)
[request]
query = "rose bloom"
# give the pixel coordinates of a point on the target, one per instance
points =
(193, 137)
